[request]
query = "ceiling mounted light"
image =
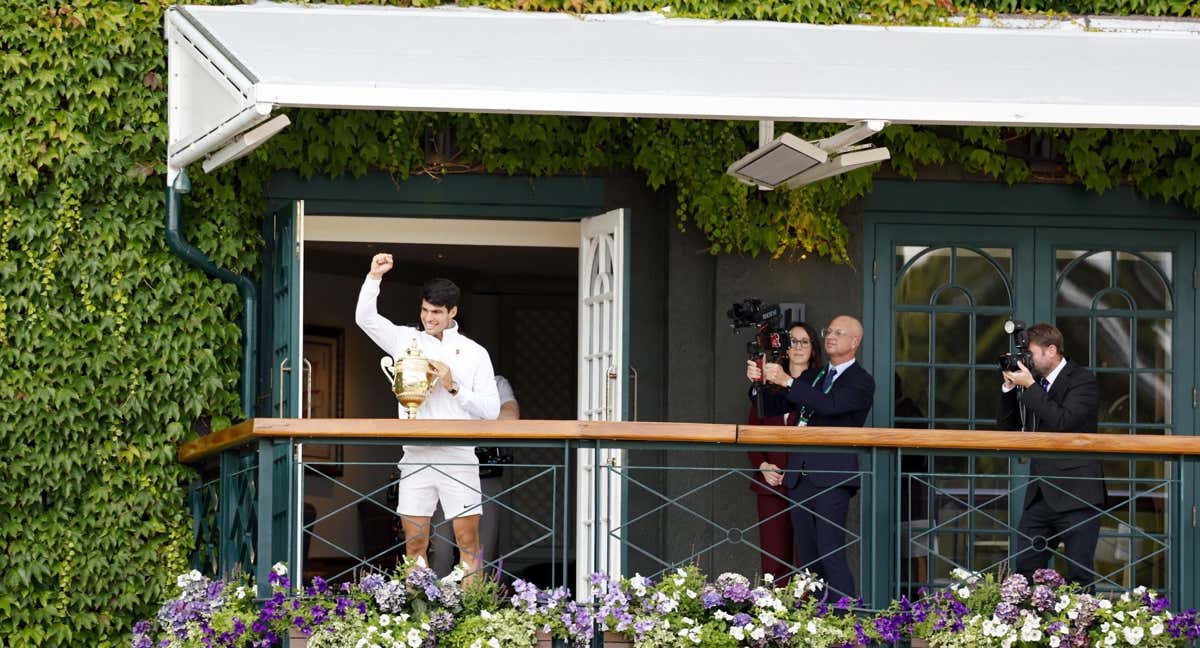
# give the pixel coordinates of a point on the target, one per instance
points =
(780, 160)
(788, 161)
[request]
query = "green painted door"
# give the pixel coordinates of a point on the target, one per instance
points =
(286, 297)
(1125, 301)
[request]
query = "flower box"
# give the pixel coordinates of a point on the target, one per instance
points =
(611, 640)
(296, 639)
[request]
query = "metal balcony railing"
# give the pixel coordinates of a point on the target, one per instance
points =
(583, 496)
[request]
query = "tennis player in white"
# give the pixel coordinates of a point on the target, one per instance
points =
(466, 389)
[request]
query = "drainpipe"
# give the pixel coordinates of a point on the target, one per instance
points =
(185, 251)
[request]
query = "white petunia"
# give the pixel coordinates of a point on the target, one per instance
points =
(1133, 634)
(1105, 604)
(964, 592)
(638, 583)
(455, 575)
(279, 568)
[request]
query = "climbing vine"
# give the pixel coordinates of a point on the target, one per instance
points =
(113, 351)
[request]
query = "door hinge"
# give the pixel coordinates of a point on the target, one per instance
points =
(1195, 397)
(1195, 278)
(1194, 516)
(874, 269)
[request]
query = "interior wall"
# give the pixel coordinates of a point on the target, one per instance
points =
(526, 323)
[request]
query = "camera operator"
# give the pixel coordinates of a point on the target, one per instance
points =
(837, 395)
(1063, 398)
(776, 542)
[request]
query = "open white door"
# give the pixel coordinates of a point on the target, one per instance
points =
(603, 387)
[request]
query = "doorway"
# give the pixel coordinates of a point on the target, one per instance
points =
(518, 301)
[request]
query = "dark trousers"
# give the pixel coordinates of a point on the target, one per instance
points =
(1042, 528)
(775, 541)
(819, 523)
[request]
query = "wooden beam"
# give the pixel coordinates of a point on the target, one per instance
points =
(492, 432)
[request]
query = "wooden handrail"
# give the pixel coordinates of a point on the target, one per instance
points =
(328, 430)
(970, 440)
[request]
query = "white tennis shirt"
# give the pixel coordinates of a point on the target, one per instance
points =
(470, 366)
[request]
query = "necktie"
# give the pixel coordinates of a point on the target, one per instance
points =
(1045, 384)
(828, 379)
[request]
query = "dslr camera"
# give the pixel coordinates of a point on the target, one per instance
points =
(771, 339)
(1008, 361)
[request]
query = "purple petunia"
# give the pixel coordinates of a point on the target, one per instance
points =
(1049, 578)
(1014, 589)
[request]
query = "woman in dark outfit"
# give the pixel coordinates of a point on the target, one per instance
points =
(775, 524)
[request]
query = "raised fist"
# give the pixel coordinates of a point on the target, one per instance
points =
(380, 264)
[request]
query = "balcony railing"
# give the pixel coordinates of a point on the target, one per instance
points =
(581, 496)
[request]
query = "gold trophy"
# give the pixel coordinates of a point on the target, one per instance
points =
(410, 378)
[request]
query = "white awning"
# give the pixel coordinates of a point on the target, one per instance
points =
(230, 66)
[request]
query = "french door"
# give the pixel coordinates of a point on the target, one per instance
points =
(1125, 302)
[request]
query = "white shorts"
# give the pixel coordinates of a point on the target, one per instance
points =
(422, 486)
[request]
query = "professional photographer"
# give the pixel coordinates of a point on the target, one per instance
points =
(1062, 398)
(837, 395)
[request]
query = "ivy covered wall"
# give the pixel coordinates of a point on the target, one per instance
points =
(112, 349)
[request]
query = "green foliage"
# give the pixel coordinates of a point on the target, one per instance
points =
(111, 347)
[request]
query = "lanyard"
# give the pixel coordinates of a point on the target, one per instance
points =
(804, 414)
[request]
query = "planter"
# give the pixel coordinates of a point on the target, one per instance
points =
(611, 640)
(919, 643)
(296, 639)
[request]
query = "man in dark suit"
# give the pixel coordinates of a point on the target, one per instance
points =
(1062, 398)
(836, 395)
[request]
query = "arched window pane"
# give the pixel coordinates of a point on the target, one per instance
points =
(1076, 338)
(953, 297)
(1154, 398)
(981, 279)
(953, 393)
(1113, 299)
(1114, 397)
(1144, 281)
(1114, 344)
(1080, 282)
(927, 273)
(1154, 343)
(952, 343)
(912, 392)
(912, 337)
(990, 339)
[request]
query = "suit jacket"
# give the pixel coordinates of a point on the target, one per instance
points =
(757, 457)
(846, 405)
(1071, 405)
